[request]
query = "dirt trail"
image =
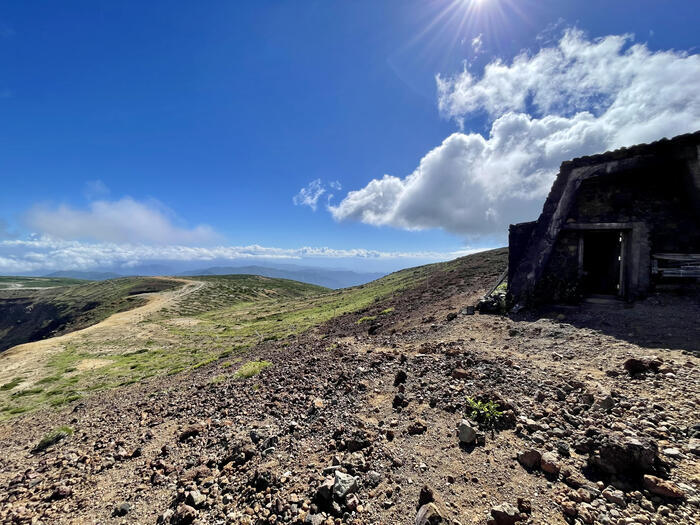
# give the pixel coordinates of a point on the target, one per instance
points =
(26, 358)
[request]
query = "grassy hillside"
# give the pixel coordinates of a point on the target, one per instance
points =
(222, 291)
(32, 313)
(218, 320)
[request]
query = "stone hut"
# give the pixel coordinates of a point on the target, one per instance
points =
(612, 226)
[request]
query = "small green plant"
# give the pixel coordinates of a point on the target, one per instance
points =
(251, 368)
(204, 363)
(53, 437)
(366, 318)
(387, 311)
(485, 413)
(218, 379)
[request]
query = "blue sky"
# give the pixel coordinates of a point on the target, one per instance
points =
(139, 131)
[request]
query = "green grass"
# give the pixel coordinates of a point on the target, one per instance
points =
(53, 437)
(28, 392)
(11, 384)
(251, 369)
(365, 319)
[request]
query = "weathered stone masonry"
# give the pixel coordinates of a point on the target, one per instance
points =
(606, 219)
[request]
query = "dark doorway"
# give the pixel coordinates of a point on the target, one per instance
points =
(602, 254)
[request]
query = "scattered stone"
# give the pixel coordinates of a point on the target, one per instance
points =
(399, 401)
(505, 514)
(344, 484)
(61, 492)
(352, 502)
(400, 377)
(615, 496)
(524, 506)
(639, 365)
(184, 515)
(325, 491)
(549, 463)
(624, 454)
(605, 404)
(425, 496)
(122, 509)
(195, 498)
(417, 427)
(672, 452)
(460, 373)
(569, 508)
(429, 514)
(191, 431)
(467, 433)
(694, 446)
(662, 488)
(530, 458)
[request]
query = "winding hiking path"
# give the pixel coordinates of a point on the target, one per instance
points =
(26, 358)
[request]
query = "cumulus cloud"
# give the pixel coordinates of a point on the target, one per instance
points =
(575, 98)
(120, 221)
(309, 195)
(44, 254)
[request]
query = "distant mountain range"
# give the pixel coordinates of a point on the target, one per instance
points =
(330, 278)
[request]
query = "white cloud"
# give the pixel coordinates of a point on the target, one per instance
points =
(120, 221)
(95, 189)
(575, 98)
(309, 195)
(45, 254)
(477, 44)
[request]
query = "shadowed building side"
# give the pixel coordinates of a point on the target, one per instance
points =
(612, 225)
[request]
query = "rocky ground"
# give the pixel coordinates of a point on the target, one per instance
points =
(595, 421)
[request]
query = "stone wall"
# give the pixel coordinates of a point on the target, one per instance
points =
(654, 188)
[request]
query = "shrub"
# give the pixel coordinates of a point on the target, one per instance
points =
(52, 438)
(251, 368)
(485, 413)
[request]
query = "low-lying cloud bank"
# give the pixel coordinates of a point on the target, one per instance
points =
(577, 98)
(46, 254)
(119, 221)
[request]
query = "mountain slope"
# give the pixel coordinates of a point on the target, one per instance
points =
(29, 314)
(319, 276)
(353, 418)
